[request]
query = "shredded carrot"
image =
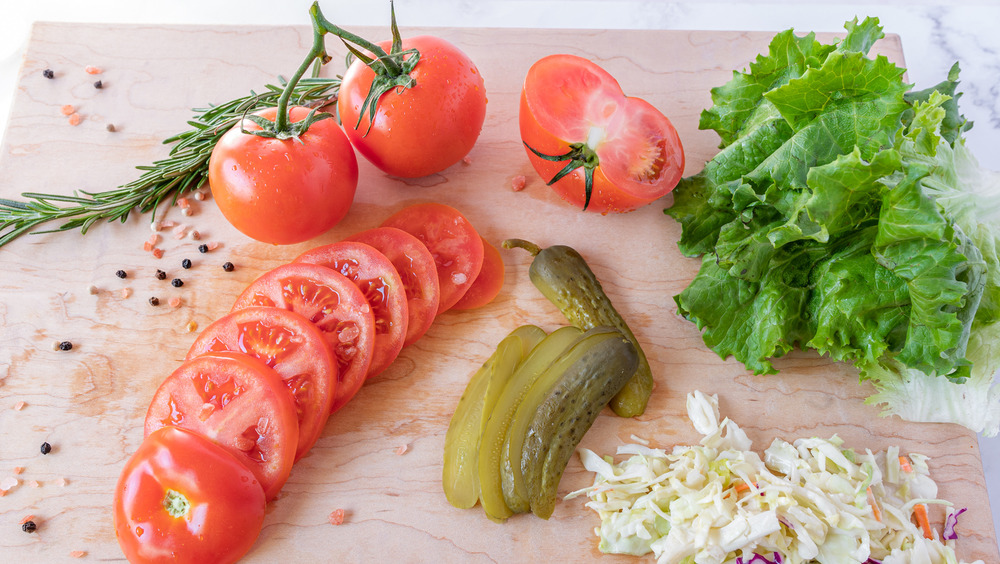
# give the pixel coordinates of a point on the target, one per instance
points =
(920, 512)
(67, 110)
(876, 510)
(74, 119)
(91, 69)
(904, 463)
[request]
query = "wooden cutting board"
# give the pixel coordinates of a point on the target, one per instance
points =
(89, 403)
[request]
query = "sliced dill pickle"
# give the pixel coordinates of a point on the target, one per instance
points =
(562, 276)
(494, 467)
(600, 364)
(460, 475)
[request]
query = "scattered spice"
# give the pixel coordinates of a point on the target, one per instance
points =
(153, 239)
(155, 226)
(91, 69)
(186, 263)
(98, 85)
(187, 212)
(518, 182)
(46, 448)
(154, 301)
(26, 518)
(183, 203)
(158, 253)
(77, 554)
(466, 160)
(194, 234)
(93, 290)
(202, 248)
(29, 526)
(192, 326)
(160, 275)
(337, 517)
(212, 245)
(228, 266)
(74, 119)
(65, 346)
(67, 110)
(33, 484)
(61, 482)
(8, 483)
(126, 292)
(18, 470)
(121, 274)
(110, 127)
(199, 195)
(174, 302)
(47, 73)
(401, 449)
(19, 406)
(176, 282)
(147, 246)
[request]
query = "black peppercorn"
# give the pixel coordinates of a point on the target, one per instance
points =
(160, 275)
(29, 526)
(154, 301)
(176, 282)
(186, 263)
(65, 346)
(98, 85)
(203, 248)
(228, 267)
(47, 73)
(121, 274)
(46, 448)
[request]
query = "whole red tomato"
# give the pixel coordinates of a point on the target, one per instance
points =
(422, 128)
(577, 123)
(284, 191)
(183, 498)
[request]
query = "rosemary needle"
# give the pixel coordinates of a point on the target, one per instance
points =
(184, 169)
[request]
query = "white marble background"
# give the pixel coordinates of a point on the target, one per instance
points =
(934, 36)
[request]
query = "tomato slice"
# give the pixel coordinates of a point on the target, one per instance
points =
(334, 304)
(293, 347)
(184, 498)
(416, 269)
(570, 100)
(381, 285)
(486, 287)
(238, 402)
(453, 242)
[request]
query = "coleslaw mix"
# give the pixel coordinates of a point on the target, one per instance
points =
(808, 501)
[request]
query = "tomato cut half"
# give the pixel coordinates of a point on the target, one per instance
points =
(486, 287)
(381, 285)
(454, 243)
(238, 402)
(331, 302)
(292, 346)
(416, 269)
(568, 104)
(184, 498)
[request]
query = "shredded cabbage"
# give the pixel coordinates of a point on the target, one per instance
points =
(811, 500)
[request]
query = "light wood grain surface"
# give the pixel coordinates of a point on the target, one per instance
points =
(89, 402)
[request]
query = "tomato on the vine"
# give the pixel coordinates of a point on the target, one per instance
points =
(597, 148)
(238, 402)
(284, 190)
(292, 346)
(184, 498)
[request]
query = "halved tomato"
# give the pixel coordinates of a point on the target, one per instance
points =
(486, 287)
(381, 285)
(453, 242)
(334, 304)
(293, 347)
(184, 498)
(416, 269)
(238, 402)
(577, 123)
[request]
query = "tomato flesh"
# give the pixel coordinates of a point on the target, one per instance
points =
(568, 99)
(292, 346)
(284, 191)
(238, 402)
(331, 302)
(451, 239)
(486, 287)
(184, 498)
(381, 285)
(416, 269)
(423, 129)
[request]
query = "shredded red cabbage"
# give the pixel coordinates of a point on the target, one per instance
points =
(759, 559)
(949, 525)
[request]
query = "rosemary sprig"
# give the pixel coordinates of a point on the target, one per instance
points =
(182, 171)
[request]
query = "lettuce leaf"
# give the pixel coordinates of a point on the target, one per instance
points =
(843, 213)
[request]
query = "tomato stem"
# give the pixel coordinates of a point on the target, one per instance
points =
(176, 504)
(579, 155)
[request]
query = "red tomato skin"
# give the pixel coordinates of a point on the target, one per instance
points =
(454, 243)
(423, 129)
(227, 501)
(304, 362)
(416, 268)
(596, 98)
(382, 286)
(284, 191)
(487, 285)
(266, 397)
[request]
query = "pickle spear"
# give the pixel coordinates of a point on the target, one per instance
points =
(562, 276)
(460, 475)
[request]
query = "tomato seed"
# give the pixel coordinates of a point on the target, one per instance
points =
(207, 409)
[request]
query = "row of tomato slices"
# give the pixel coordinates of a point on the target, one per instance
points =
(256, 389)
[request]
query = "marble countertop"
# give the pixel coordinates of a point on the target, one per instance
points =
(934, 35)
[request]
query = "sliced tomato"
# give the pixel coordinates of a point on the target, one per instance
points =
(486, 287)
(184, 498)
(416, 269)
(293, 347)
(381, 285)
(334, 304)
(238, 402)
(569, 101)
(453, 242)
